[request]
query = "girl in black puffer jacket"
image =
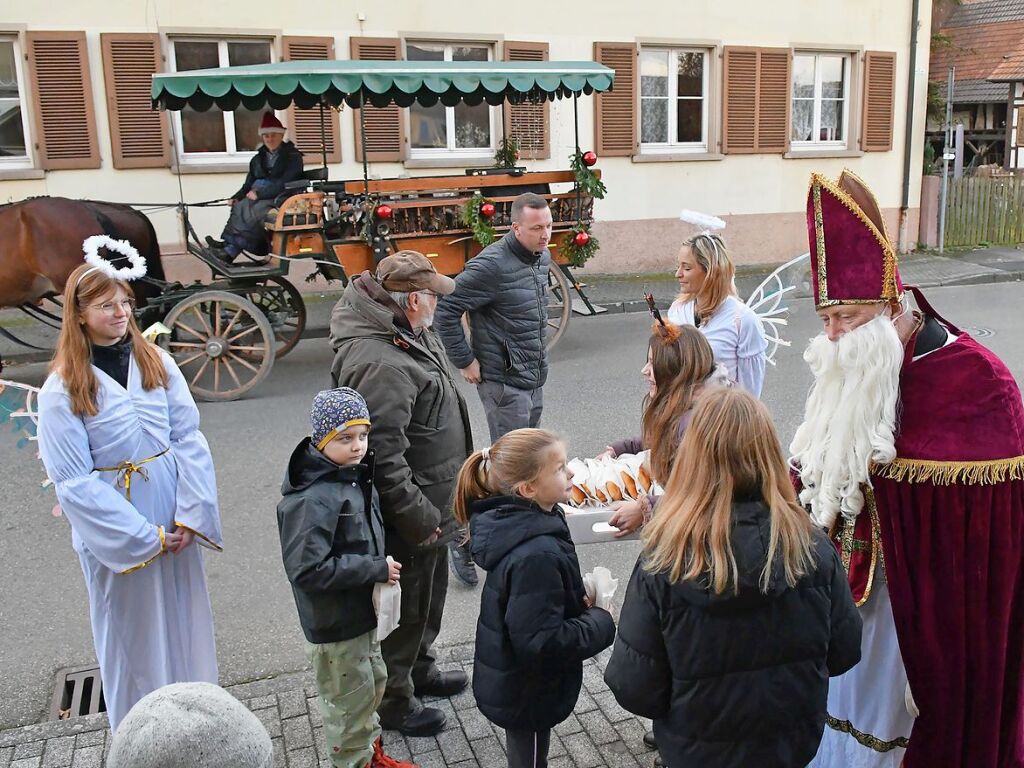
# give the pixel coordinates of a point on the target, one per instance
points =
(738, 610)
(536, 625)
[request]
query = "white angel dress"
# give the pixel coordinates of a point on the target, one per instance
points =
(123, 477)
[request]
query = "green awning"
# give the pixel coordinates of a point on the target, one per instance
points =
(380, 83)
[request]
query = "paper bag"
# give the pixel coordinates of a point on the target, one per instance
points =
(387, 603)
(600, 587)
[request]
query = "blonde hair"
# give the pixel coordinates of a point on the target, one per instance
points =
(515, 458)
(708, 248)
(730, 449)
(73, 358)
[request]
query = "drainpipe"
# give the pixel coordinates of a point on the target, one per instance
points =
(903, 244)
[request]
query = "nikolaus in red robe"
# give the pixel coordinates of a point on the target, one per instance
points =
(930, 523)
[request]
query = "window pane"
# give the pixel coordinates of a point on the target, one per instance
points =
(690, 120)
(195, 55)
(831, 76)
(690, 74)
(654, 121)
(653, 73)
(242, 54)
(424, 52)
(8, 72)
(469, 53)
(12, 130)
(427, 127)
(472, 126)
(203, 131)
(247, 130)
(803, 77)
(831, 120)
(803, 119)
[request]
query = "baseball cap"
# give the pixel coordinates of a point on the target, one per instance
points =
(412, 271)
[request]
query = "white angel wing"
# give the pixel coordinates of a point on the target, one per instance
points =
(767, 302)
(18, 407)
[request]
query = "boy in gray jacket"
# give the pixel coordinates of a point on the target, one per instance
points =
(332, 542)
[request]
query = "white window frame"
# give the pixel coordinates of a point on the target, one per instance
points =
(815, 142)
(28, 161)
(674, 147)
(451, 152)
(233, 154)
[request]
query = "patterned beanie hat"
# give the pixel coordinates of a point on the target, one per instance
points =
(334, 411)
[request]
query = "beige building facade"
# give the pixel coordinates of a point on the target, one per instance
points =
(723, 107)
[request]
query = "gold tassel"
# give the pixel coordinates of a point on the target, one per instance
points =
(952, 472)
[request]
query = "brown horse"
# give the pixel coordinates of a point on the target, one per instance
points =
(41, 243)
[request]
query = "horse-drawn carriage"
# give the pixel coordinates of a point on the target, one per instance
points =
(226, 333)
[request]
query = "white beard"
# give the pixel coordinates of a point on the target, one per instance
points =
(850, 419)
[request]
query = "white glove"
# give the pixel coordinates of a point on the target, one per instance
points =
(908, 699)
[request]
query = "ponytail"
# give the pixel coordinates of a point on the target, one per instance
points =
(471, 485)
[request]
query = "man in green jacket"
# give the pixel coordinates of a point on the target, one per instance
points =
(385, 350)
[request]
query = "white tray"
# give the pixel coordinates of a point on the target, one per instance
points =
(589, 525)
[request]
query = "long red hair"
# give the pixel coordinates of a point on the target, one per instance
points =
(73, 358)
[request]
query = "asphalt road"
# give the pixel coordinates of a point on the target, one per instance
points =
(592, 397)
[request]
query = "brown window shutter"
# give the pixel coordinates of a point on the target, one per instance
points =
(138, 133)
(530, 123)
(615, 110)
(62, 108)
(879, 98)
(304, 124)
(756, 104)
(774, 87)
(385, 133)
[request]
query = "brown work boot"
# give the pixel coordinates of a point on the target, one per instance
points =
(380, 760)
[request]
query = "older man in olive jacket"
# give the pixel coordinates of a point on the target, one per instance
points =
(380, 331)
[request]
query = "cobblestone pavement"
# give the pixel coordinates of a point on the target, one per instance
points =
(598, 733)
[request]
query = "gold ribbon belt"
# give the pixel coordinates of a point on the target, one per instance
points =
(127, 468)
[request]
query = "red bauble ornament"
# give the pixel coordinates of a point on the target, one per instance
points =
(487, 210)
(384, 211)
(589, 158)
(581, 239)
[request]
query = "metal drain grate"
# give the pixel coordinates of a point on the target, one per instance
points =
(78, 692)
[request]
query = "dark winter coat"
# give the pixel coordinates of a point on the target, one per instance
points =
(287, 167)
(736, 680)
(504, 290)
(534, 631)
(421, 430)
(332, 543)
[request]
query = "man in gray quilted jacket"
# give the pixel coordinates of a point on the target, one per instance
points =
(504, 291)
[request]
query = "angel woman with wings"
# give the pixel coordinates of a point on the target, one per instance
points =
(119, 436)
(708, 300)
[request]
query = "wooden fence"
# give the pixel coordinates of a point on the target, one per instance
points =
(984, 209)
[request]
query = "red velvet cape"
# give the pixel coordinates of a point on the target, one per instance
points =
(951, 517)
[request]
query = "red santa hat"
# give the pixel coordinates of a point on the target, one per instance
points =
(270, 124)
(853, 261)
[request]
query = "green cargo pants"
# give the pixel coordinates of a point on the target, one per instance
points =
(350, 676)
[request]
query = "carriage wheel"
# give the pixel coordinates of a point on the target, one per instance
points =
(284, 308)
(559, 306)
(222, 343)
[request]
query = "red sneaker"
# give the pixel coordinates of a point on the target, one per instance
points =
(380, 760)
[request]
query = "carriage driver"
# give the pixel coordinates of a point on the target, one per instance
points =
(275, 164)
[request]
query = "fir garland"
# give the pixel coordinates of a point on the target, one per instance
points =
(471, 217)
(578, 255)
(587, 181)
(508, 153)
